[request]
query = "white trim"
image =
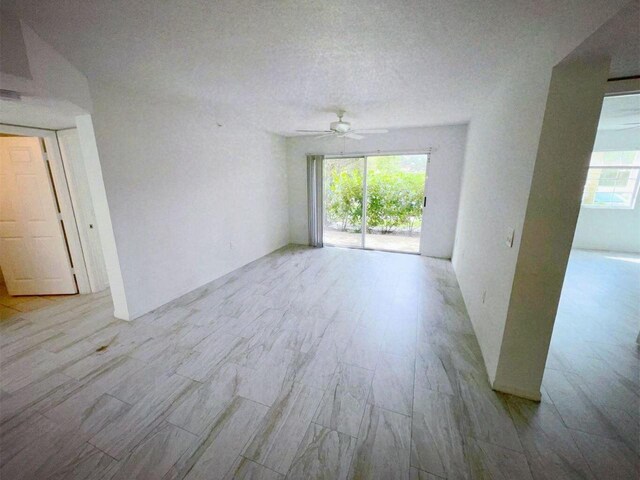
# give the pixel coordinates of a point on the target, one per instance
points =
(518, 392)
(378, 153)
(401, 252)
(25, 131)
(64, 200)
(78, 183)
(91, 159)
(363, 227)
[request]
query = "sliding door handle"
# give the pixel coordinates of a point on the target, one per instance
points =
(424, 202)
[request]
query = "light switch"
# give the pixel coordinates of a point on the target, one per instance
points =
(509, 240)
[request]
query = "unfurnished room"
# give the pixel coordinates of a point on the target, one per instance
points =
(276, 239)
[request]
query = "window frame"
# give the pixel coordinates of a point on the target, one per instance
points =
(634, 195)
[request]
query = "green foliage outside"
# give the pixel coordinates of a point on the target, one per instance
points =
(344, 199)
(394, 195)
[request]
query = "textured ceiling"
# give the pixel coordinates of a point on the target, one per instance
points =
(618, 38)
(283, 65)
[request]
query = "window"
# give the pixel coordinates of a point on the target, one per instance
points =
(612, 181)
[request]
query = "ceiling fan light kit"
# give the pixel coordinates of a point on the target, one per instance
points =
(340, 126)
(342, 129)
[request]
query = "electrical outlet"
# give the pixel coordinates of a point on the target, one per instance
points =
(509, 239)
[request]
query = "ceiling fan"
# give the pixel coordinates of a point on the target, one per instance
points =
(343, 129)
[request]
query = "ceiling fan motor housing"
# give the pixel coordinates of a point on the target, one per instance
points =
(340, 127)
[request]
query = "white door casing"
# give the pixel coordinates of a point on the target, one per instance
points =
(78, 183)
(33, 253)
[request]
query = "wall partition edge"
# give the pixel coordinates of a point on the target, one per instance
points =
(314, 193)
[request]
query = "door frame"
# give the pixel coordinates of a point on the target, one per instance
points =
(82, 203)
(363, 228)
(364, 156)
(61, 189)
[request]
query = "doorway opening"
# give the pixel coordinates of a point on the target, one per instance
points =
(34, 249)
(374, 202)
(593, 353)
(45, 252)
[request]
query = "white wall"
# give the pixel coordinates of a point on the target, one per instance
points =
(504, 140)
(566, 141)
(53, 90)
(499, 161)
(445, 171)
(616, 230)
(189, 201)
(501, 153)
(612, 229)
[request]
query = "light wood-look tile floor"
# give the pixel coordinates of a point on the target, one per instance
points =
(308, 363)
(10, 305)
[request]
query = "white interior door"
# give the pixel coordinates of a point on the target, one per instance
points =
(33, 253)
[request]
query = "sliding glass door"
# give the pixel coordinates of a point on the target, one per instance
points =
(374, 202)
(343, 192)
(395, 195)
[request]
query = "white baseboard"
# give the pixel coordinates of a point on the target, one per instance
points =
(518, 392)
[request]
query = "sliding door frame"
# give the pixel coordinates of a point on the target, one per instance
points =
(320, 194)
(363, 228)
(317, 182)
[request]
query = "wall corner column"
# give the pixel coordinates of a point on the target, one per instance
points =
(103, 216)
(574, 101)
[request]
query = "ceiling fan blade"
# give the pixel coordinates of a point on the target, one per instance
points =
(371, 130)
(314, 131)
(325, 135)
(353, 136)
